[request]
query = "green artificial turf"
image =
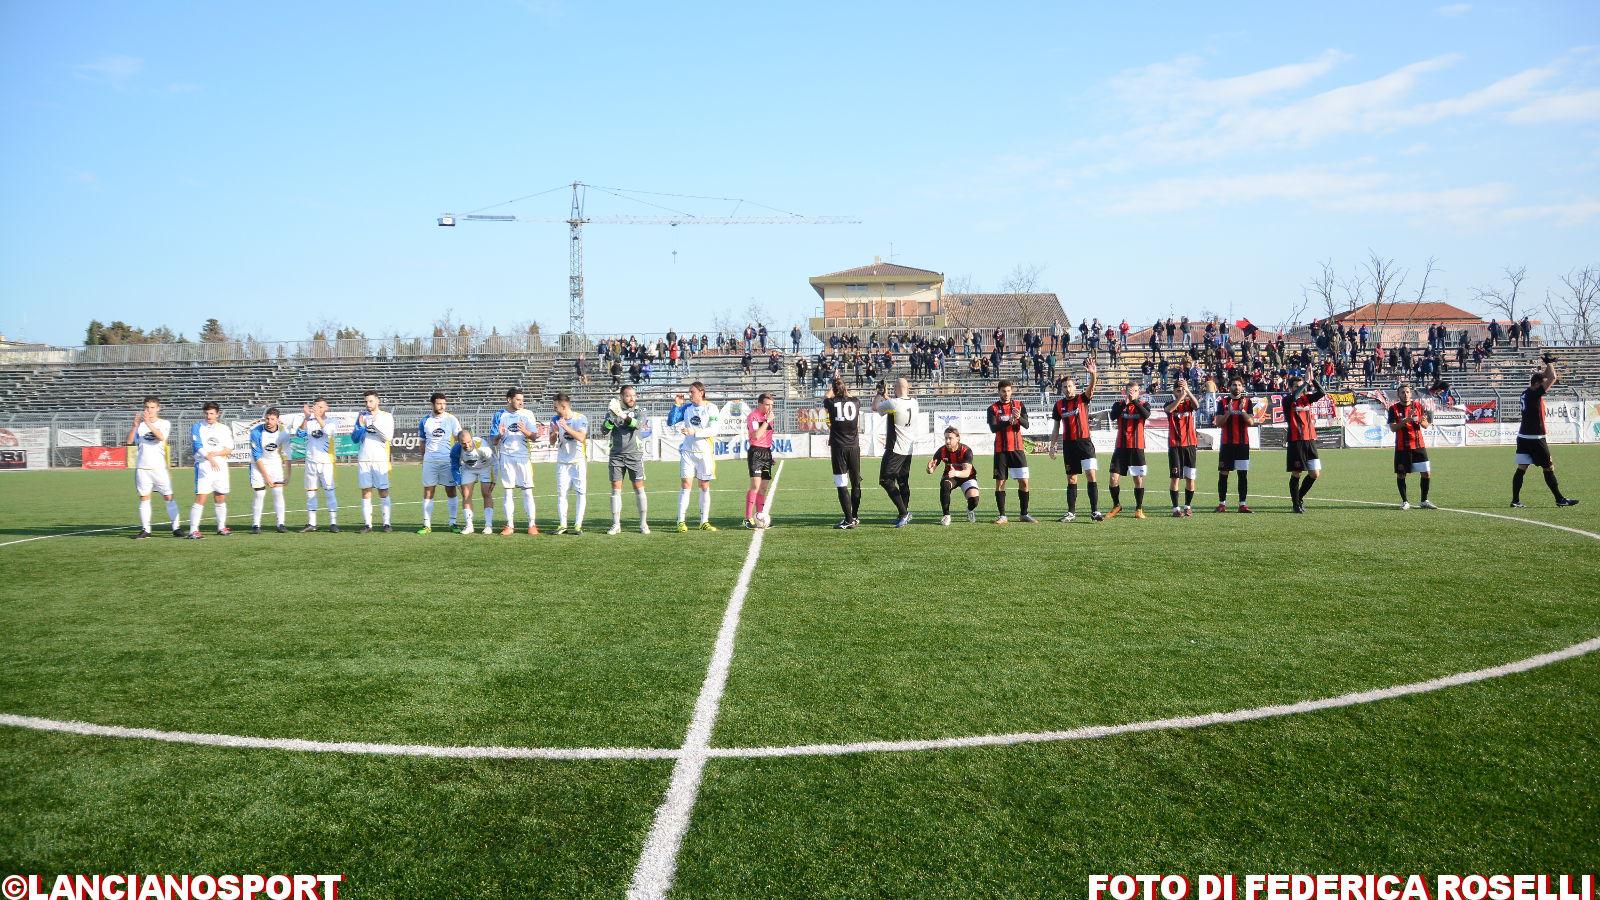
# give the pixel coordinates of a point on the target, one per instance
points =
(923, 632)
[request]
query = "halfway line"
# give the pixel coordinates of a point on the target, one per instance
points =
(658, 862)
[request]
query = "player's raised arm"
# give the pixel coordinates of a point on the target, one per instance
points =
(1548, 374)
(1094, 378)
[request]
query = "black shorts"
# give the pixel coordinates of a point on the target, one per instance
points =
(759, 460)
(846, 459)
(1533, 452)
(1180, 458)
(894, 467)
(1405, 461)
(963, 484)
(1301, 456)
(1125, 459)
(1006, 460)
(1234, 457)
(1079, 453)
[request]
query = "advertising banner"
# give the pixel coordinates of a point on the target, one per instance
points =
(79, 437)
(1481, 412)
(25, 448)
(105, 457)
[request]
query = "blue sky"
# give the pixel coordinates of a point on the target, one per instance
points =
(278, 165)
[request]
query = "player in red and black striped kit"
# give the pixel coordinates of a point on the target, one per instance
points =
(1007, 418)
(1235, 415)
(1407, 419)
(1129, 415)
(1532, 446)
(960, 473)
(1183, 444)
(1071, 428)
(1301, 458)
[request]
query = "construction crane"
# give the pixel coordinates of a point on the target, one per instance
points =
(576, 220)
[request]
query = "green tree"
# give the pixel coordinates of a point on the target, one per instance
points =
(96, 334)
(212, 333)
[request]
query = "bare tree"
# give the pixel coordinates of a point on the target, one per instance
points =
(1320, 290)
(1503, 301)
(1354, 289)
(1385, 279)
(956, 307)
(1021, 287)
(1575, 312)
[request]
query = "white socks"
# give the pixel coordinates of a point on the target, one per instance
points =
(511, 507)
(258, 499)
(277, 504)
(561, 507)
(616, 507)
(144, 515)
(196, 511)
(333, 506)
(705, 506)
(172, 513)
(427, 513)
(488, 518)
(453, 503)
(311, 508)
(385, 510)
(644, 505)
(527, 501)
(222, 516)
(366, 511)
(683, 503)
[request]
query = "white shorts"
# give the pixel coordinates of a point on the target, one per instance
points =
(1422, 467)
(484, 475)
(436, 473)
(697, 464)
(152, 481)
(1189, 472)
(572, 475)
(1315, 465)
(1014, 472)
(211, 481)
(318, 474)
(1139, 471)
(373, 474)
(275, 467)
(516, 473)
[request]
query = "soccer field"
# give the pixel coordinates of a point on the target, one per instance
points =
(833, 766)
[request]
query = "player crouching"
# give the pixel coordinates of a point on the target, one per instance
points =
(474, 465)
(959, 474)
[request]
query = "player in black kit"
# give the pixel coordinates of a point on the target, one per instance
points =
(960, 474)
(844, 414)
(1533, 448)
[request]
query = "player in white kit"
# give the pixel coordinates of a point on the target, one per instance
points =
(212, 442)
(511, 431)
(148, 438)
(269, 448)
(697, 421)
(318, 431)
(440, 431)
(373, 433)
(569, 432)
(474, 465)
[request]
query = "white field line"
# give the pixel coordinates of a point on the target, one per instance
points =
(658, 861)
(703, 751)
(257, 743)
(355, 506)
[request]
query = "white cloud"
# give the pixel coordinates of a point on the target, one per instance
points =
(1562, 107)
(1452, 10)
(1451, 202)
(1576, 213)
(1170, 194)
(114, 71)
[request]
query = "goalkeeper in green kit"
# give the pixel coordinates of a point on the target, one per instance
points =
(623, 422)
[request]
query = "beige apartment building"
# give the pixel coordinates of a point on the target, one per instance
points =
(882, 295)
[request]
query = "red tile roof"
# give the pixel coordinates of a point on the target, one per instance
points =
(879, 270)
(1403, 312)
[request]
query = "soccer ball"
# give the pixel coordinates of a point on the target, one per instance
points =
(764, 519)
